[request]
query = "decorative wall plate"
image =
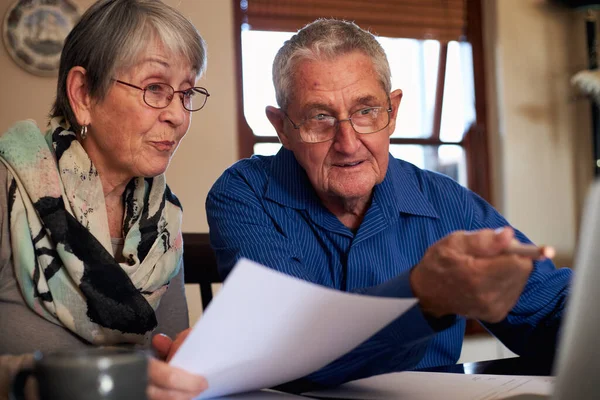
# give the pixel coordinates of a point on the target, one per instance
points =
(34, 32)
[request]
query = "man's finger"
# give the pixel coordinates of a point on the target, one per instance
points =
(499, 291)
(487, 242)
(505, 267)
(530, 250)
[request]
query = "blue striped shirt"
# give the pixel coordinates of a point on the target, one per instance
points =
(265, 209)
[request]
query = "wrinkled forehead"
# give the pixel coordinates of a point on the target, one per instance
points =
(155, 53)
(348, 78)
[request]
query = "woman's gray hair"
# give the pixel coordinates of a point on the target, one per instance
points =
(112, 34)
(325, 39)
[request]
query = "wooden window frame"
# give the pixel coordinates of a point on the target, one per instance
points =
(474, 142)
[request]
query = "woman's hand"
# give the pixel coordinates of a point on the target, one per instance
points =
(165, 347)
(166, 381)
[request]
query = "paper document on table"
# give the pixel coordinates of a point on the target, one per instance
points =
(262, 395)
(266, 328)
(437, 385)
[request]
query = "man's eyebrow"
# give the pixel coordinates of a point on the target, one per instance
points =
(365, 99)
(316, 105)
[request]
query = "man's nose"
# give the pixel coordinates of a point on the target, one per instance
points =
(346, 139)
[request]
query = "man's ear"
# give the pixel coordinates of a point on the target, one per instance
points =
(395, 98)
(78, 93)
(277, 119)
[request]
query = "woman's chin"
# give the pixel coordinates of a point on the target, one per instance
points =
(151, 171)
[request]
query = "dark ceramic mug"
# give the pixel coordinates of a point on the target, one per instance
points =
(101, 373)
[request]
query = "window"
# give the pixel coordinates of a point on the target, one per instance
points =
(438, 126)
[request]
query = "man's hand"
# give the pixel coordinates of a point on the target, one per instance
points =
(470, 274)
(167, 382)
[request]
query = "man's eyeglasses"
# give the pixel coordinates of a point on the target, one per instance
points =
(322, 127)
(159, 95)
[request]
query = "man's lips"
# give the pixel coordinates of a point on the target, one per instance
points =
(348, 164)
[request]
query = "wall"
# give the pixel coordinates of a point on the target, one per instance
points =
(540, 130)
(210, 145)
(540, 134)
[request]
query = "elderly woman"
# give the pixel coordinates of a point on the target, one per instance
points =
(91, 244)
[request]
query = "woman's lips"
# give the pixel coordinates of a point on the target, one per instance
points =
(164, 145)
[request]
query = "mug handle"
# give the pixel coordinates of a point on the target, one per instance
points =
(17, 388)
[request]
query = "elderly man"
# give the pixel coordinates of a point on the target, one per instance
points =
(333, 207)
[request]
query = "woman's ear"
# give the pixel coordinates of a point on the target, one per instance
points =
(277, 119)
(78, 93)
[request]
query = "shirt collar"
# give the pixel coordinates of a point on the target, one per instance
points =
(401, 191)
(288, 183)
(398, 193)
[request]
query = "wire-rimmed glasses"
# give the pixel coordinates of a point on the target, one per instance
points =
(159, 95)
(322, 127)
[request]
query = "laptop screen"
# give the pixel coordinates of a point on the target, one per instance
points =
(577, 368)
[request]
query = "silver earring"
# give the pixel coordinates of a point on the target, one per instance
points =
(83, 132)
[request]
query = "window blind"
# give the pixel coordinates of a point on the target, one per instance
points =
(442, 20)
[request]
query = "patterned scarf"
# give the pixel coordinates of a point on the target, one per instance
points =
(61, 244)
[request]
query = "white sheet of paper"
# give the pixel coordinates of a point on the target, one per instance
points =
(436, 385)
(262, 395)
(266, 328)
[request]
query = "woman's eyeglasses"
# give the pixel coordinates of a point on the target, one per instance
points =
(159, 95)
